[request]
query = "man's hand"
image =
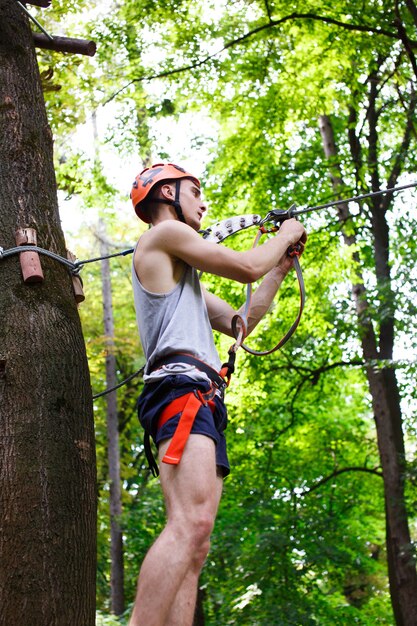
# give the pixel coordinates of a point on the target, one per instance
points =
(292, 229)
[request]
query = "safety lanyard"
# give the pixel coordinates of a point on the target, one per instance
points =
(218, 233)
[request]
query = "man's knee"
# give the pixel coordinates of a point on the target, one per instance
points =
(200, 526)
(201, 529)
(195, 529)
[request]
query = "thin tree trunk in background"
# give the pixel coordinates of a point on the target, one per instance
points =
(47, 452)
(199, 609)
(385, 395)
(116, 534)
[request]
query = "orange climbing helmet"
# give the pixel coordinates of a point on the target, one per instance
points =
(149, 177)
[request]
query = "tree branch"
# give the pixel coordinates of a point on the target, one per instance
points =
(65, 44)
(405, 144)
(315, 374)
(268, 10)
(402, 35)
(326, 479)
(312, 373)
(405, 107)
(372, 116)
(354, 144)
(39, 3)
(270, 24)
(412, 9)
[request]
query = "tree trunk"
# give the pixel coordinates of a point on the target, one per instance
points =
(199, 609)
(387, 411)
(47, 455)
(113, 451)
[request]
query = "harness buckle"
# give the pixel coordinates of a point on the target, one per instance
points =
(200, 396)
(205, 398)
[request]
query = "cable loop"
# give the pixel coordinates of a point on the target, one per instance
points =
(75, 267)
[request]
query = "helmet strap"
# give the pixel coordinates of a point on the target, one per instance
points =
(175, 203)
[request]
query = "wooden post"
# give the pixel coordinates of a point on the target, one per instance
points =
(77, 283)
(29, 261)
(39, 3)
(65, 44)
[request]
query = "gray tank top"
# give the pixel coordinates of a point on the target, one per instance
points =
(176, 321)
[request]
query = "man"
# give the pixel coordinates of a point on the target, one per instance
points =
(181, 405)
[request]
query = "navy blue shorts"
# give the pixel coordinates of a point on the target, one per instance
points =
(156, 396)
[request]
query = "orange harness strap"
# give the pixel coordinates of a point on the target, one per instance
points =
(188, 405)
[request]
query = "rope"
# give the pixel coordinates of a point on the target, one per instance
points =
(293, 328)
(124, 382)
(107, 256)
(11, 251)
(373, 194)
(35, 21)
(252, 220)
(240, 322)
(75, 266)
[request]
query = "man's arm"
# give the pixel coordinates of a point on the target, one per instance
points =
(221, 313)
(182, 242)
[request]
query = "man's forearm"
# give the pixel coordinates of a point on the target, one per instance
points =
(263, 297)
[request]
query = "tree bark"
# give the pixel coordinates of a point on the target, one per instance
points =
(385, 395)
(113, 450)
(47, 454)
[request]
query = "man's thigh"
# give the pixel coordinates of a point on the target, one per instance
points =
(195, 481)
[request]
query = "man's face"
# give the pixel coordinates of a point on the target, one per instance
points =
(192, 203)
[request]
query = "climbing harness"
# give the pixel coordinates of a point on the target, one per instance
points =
(219, 379)
(187, 406)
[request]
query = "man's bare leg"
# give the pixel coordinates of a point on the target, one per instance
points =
(192, 492)
(183, 607)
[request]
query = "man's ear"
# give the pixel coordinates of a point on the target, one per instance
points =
(168, 191)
